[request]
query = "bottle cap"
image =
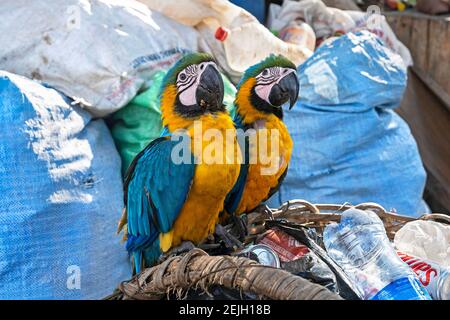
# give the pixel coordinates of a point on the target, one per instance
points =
(221, 33)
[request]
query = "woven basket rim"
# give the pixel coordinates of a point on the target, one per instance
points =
(326, 210)
(319, 215)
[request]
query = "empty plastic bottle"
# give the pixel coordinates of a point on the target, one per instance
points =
(359, 245)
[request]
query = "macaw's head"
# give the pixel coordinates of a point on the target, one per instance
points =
(191, 88)
(265, 87)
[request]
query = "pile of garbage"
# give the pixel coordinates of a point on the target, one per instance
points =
(426, 6)
(353, 258)
(79, 85)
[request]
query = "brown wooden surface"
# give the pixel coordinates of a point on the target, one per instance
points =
(429, 121)
(428, 39)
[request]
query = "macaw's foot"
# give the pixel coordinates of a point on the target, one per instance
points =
(264, 208)
(239, 226)
(230, 241)
(184, 247)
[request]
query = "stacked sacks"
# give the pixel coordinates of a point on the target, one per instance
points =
(349, 144)
(61, 197)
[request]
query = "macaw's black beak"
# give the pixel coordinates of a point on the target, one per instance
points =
(209, 94)
(286, 89)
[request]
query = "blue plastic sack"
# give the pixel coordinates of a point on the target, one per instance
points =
(60, 198)
(256, 7)
(349, 144)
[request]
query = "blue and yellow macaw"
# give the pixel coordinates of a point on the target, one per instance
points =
(261, 92)
(169, 201)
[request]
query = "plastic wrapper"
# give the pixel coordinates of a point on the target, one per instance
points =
(309, 238)
(425, 239)
(310, 267)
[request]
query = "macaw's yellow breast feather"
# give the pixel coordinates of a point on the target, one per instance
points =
(165, 240)
(264, 175)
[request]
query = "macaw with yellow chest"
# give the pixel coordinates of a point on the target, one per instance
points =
(170, 196)
(261, 92)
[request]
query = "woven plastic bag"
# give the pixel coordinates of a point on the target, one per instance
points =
(60, 197)
(349, 144)
(99, 52)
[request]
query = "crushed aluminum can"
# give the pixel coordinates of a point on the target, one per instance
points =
(264, 254)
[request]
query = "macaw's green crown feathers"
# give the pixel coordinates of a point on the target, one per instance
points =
(188, 59)
(271, 61)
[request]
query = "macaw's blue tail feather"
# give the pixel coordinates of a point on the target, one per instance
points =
(135, 245)
(137, 256)
(143, 257)
(152, 254)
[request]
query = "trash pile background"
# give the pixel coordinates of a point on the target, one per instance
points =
(83, 60)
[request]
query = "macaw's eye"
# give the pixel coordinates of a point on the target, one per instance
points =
(182, 76)
(265, 72)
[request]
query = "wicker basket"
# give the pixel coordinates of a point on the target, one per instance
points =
(198, 270)
(319, 215)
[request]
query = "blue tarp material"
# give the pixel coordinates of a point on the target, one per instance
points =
(349, 144)
(60, 198)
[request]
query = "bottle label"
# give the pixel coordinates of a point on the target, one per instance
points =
(407, 288)
(427, 271)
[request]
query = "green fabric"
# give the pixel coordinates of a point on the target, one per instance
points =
(229, 95)
(139, 122)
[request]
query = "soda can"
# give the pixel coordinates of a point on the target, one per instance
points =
(265, 255)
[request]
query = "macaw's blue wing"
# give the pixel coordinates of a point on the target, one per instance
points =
(156, 188)
(234, 196)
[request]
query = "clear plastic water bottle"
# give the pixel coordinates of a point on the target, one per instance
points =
(359, 245)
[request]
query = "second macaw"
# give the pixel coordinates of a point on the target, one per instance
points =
(261, 92)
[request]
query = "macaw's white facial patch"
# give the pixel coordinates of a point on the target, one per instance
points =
(188, 81)
(187, 97)
(268, 78)
(263, 91)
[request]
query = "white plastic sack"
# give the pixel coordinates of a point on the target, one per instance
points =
(248, 41)
(327, 21)
(377, 24)
(324, 20)
(425, 239)
(342, 4)
(98, 52)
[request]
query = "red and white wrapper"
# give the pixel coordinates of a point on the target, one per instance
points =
(428, 272)
(286, 246)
